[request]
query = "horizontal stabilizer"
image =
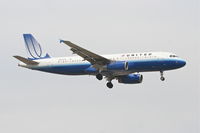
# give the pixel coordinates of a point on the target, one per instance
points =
(26, 61)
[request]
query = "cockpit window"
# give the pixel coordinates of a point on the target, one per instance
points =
(173, 56)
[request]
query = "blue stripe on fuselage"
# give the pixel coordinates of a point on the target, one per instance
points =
(135, 66)
(155, 65)
(68, 69)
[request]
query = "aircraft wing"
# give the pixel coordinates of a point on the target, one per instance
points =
(93, 58)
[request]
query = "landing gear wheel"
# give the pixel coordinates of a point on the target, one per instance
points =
(162, 78)
(99, 76)
(109, 85)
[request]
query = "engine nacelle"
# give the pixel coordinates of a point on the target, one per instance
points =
(131, 79)
(118, 65)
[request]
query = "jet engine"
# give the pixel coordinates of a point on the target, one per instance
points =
(118, 65)
(131, 79)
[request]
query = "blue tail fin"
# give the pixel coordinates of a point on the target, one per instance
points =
(33, 47)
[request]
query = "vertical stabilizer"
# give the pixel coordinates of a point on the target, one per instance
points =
(33, 47)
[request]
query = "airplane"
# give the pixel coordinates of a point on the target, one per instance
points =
(125, 68)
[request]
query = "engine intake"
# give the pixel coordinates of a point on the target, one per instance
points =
(131, 79)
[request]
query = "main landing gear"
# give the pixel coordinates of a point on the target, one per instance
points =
(99, 76)
(109, 79)
(109, 85)
(162, 78)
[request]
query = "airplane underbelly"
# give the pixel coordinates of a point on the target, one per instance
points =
(75, 69)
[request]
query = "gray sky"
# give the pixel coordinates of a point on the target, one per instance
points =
(32, 101)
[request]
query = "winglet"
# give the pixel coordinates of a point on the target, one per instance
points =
(64, 41)
(61, 41)
(26, 61)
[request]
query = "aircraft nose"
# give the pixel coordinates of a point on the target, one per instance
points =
(181, 63)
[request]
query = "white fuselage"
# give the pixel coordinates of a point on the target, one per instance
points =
(153, 60)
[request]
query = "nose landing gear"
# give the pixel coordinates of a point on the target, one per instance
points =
(162, 78)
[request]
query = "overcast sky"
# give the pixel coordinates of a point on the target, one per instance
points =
(32, 101)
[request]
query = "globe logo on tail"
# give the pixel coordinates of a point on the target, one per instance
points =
(33, 47)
